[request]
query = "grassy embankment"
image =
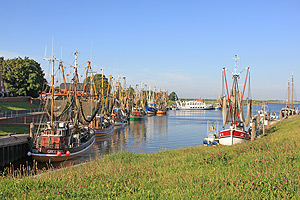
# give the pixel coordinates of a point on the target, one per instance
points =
(9, 106)
(17, 129)
(265, 168)
(13, 106)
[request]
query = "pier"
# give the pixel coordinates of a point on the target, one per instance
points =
(13, 148)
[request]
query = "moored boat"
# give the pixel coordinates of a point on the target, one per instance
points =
(120, 117)
(67, 142)
(63, 137)
(103, 125)
(233, 115)
(289, 109)
(151, 110)
(137, 115)
(212, 134)
(193, 105)
(161, 112)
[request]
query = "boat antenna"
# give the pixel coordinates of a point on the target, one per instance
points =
(61, 53)
(292, 90)
(223, 87)
(288, 93)
(91, 55)
(52, 61)
(45, 51)
(102, 87)
(249, 88)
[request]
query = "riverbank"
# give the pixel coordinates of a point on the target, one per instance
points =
(265, 168)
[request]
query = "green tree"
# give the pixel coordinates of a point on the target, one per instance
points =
(98, 83)
(23, 77)
(173, 96)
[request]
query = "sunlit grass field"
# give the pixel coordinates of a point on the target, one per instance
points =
(267, 168)
(17, 129)
(8, 106)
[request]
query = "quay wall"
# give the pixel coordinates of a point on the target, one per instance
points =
(15, 99)
(13, 148)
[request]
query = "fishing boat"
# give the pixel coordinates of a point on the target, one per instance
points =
(140, 102)
(162, 101)
(151, 110)
(63, 137)
(212, 134)
(120, 117)
(161, 112)
(61, 142)
(137, 114)
(289, 108)
(119, 113)
(233, 115)
(103, 125)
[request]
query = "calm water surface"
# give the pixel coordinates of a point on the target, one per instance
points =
(178, 129)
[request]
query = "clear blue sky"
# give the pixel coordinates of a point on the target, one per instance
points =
(171, 44)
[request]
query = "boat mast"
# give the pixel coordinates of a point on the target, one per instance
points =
(75, 85)
(292, 91)
(288, 105)
(102, 89)
(107, 92)
(87, 72)
(63, 73)
(52, 60)
(235, 90)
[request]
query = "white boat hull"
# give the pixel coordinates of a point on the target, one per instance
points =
(231, 137)
(119, 123)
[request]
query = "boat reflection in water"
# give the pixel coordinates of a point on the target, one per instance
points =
(178, 129)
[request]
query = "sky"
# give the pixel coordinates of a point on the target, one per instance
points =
(179, 45)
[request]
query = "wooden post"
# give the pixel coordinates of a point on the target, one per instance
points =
(31, 130)
(31, 134)
(253, 133)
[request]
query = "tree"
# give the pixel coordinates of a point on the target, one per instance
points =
(173, 96)
(98, 83)
(23, 77)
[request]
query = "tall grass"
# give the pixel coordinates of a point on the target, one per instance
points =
(267, 168)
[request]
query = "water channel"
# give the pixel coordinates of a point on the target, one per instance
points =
(177, 129)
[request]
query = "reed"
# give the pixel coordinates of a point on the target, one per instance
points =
(267, 168)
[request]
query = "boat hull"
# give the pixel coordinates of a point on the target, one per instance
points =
(99, 131)
(161, 112)
(74, 152)
(231, 137)
(120, 123)
(136, 118)
(151, 112)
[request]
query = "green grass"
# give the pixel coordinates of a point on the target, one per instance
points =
(8, 106)
(268, 168)
(10, 129)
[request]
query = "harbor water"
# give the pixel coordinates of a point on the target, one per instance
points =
(177, 129)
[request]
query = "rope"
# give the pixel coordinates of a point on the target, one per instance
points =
(93, 113)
